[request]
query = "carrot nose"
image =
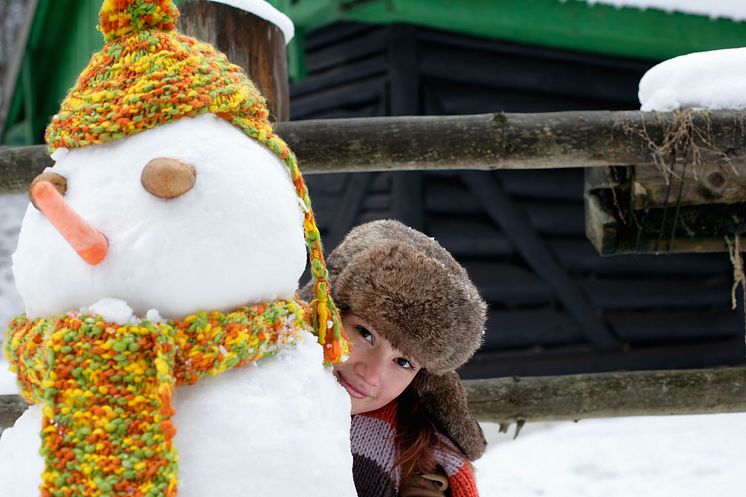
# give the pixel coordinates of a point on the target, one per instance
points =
(89, 243)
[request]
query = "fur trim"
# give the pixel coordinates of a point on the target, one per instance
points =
(444, 397)
(413, 292)
(410, 290)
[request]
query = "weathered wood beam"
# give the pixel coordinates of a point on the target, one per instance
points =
(573, 397)
(601, 395)
(484, 141)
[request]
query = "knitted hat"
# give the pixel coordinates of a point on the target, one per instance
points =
(412, 291)
(147, 74)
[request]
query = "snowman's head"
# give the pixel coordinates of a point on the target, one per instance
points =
(151, 103)
(234, 236)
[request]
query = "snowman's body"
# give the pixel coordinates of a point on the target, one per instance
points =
(235, 239)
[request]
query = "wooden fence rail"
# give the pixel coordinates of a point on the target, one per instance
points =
(485, 141)
(574, 397)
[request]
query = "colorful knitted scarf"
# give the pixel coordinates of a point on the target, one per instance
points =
(374, 454)
(106, 388)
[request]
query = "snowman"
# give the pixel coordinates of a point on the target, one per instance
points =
(163, 346)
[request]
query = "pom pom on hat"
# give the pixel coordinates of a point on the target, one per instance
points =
(120, 17)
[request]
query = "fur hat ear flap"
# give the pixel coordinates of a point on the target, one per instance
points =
(444, 398)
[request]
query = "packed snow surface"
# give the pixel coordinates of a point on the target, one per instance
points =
(235, 238)
(712, 80)
(673, 456)
(729, 9)
(266, 11)
(297, 438)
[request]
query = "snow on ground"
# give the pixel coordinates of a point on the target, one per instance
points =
(674, 456)
(729, 9)
(713, 79)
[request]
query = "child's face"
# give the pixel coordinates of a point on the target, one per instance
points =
(376, 373)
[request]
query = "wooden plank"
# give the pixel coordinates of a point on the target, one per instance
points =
(580, 256)
(548, 217)
(641, 393)
(554, 218)
(333, 101)
(506, 284)
(675, 325)
(703, 184)
(534, 327)
(484, 239)
(449, 98)
(448, 195)
(336, 34)
(656, 292)
(484, 69)
(582, 358)
(551, 55)
(381, 183)
(547, 184)
(359, 47)
(491, 141)
(377, 201)
(365, 69)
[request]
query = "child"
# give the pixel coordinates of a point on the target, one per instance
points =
(412, 316)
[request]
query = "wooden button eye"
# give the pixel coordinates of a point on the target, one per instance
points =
(59, 182)
(168, 178)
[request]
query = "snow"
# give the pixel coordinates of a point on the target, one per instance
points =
(676, 456)
(729, 9)
(235, 238)
(266, 11)
(114, 310)
(713, 80)
(7, 379)
(267, 407)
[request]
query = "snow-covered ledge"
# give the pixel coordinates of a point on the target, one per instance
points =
(727, 9)
(266, 11)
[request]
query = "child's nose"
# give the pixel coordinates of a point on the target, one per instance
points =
(370, 370)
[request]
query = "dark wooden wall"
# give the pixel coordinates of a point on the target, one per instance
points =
(555, 306)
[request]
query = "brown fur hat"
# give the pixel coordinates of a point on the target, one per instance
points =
(413, 292)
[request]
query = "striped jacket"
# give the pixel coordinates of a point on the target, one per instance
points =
(374, 454)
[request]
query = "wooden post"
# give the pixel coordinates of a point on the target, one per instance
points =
(251, 42)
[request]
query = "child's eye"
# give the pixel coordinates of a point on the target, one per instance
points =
(367, 335)
(404, 363)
